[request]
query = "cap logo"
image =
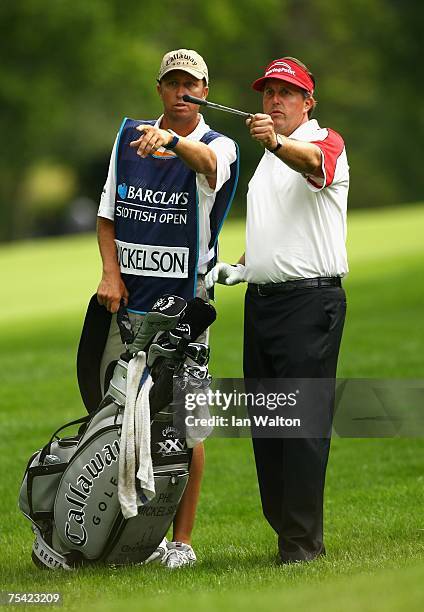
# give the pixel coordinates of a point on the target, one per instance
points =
(280, 67)
(286, 71)
(186, 60)
(180, 56)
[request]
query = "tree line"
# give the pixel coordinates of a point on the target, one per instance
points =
(71, 70)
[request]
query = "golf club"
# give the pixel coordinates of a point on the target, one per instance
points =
(220, 107)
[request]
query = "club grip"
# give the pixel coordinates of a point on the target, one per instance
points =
(194, 100)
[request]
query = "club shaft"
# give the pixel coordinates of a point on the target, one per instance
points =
(221, 107)
(227, 109)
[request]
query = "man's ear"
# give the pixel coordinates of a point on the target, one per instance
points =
(205, 92)
(309, 103)
(159, 89)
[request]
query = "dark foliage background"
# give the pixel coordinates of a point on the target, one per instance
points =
(72, 69)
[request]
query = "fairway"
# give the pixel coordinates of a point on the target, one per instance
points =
(374, 507)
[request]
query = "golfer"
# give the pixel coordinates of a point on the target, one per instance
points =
(295, 305)
(170, 184)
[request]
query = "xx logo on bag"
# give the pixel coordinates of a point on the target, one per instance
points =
(171, 447)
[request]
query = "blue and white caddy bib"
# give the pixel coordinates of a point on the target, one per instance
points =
(156, 221)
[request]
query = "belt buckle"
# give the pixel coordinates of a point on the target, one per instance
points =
(260, 292)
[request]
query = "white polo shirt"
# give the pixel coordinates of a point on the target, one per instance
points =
(225, 150)
(296, 225)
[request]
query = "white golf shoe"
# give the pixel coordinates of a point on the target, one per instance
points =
(178, 555)
(158, 554)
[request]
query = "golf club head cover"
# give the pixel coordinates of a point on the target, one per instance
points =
(164, 315)
(162, 347)
(161, 392)
(169, 348)
(198, 315)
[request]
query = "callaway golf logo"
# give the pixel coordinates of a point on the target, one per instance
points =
(164, 303)
(170, 431)
(79, 492)
(171, 446)
(181, 59)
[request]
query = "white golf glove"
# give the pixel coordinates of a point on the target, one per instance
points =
(225, 274)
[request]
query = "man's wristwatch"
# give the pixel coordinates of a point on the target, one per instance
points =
(278, 145)
(174, 141)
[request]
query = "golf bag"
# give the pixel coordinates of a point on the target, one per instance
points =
(70, 486)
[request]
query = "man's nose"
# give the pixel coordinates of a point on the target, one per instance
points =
(181, 90)
(276, 98)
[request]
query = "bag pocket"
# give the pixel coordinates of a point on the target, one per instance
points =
(135, 539)
(41, 479)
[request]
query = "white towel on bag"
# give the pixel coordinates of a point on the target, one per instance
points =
(135, 459)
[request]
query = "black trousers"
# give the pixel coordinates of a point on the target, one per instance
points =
(294, 334)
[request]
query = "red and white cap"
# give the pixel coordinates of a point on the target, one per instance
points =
(286, 70)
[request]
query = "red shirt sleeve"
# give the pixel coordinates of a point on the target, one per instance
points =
(332, 147)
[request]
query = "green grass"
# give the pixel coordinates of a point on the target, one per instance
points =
(374, 495)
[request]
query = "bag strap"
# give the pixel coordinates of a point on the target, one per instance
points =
(45, 555)
(46, 449)
(124, 324)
